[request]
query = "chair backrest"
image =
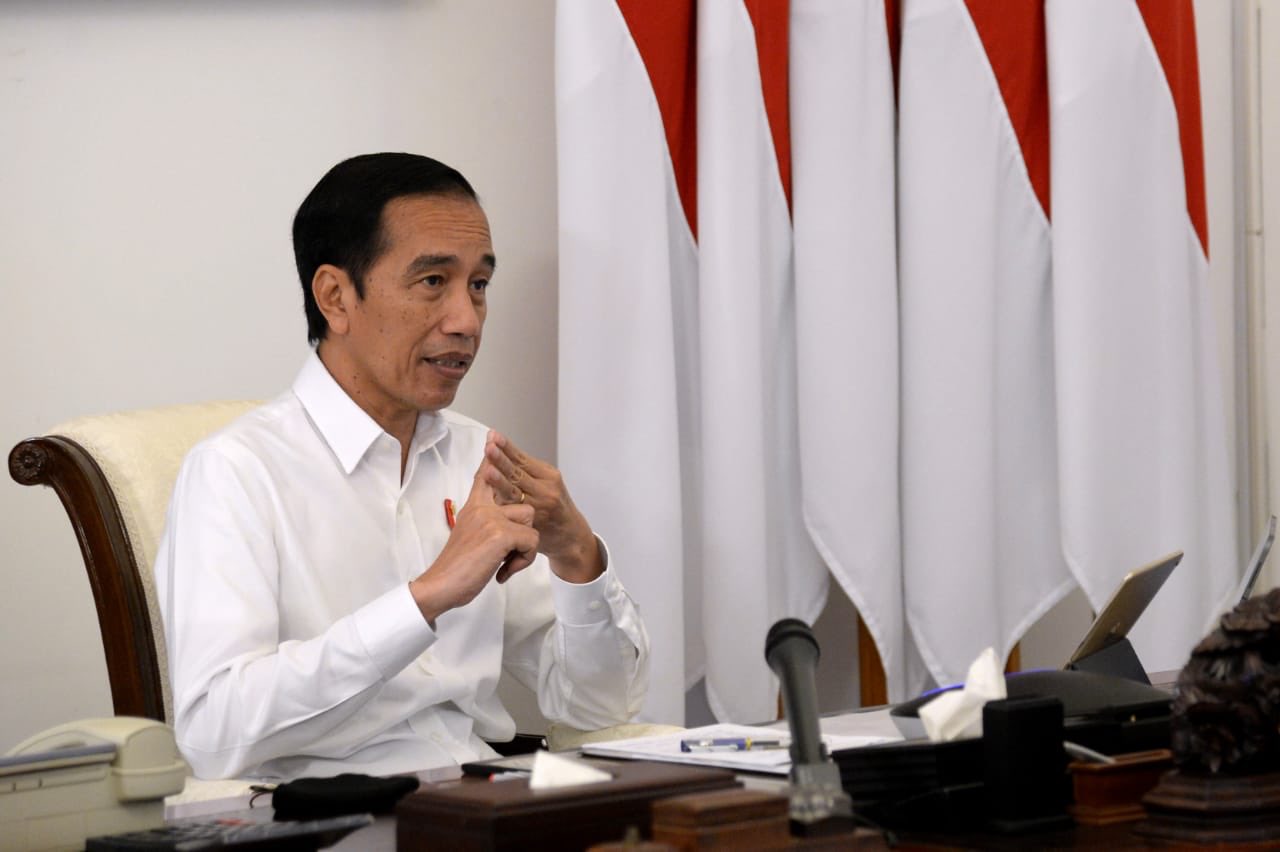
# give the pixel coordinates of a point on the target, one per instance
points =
(114, 474)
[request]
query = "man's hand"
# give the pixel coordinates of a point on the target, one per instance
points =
(487, 539)
(519, 479)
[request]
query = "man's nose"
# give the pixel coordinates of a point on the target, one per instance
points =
(461, 315)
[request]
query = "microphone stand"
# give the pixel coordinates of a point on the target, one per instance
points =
(819, 804)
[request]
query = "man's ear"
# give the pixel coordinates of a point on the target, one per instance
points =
(335, 295)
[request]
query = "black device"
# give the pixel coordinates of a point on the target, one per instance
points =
(1106, 713)
(942, 786)
(918, 784)
(1105, 648)
(1024, 765)
(241, 835)
(1010, 780)
(819, 804)
(348, 793)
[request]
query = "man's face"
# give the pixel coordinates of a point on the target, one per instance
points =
(415, 333)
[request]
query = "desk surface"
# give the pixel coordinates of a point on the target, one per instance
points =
(873, 722)
(381, 837)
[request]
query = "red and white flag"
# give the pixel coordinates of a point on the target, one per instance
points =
(1142, 430)
(758, 563)
(981, 561)
(846, 291)
(628, 310)
(678, 398)
(730, 385)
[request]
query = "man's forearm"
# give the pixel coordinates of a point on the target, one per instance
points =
(237, 707)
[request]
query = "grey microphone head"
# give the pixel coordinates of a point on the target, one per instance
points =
(792, 653)
(783, 630)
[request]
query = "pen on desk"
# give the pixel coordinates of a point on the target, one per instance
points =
(449, 516)
(728, 744)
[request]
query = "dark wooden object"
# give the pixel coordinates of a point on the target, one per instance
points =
(1106, 793)
(724, 819)
(123, 619)
(739, 819)
(873, 691)
(1241, 811)
(480, 815)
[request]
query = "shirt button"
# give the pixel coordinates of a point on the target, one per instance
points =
(594, 605)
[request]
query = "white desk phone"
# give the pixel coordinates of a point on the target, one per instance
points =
(87, 778)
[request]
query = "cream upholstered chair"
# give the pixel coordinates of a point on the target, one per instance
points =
(114, 474)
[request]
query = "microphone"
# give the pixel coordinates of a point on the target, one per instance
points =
(819, 804)
(792, 652)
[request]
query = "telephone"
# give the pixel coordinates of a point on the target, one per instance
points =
(86, 778)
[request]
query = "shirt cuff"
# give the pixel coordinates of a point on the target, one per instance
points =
(584, 604)
(392, 630)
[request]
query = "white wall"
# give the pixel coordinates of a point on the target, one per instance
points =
(151, 158)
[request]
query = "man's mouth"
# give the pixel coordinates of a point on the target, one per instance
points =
(452, 365)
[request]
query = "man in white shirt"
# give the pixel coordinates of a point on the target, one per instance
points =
(346, 570)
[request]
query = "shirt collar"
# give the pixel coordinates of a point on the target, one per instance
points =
(345, 427)
(343, 424)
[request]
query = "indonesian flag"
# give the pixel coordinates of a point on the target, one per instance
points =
(981, 557)
(628, 311)
(744, 384)
(846, 292)
(758, 561)
(1142, 432)
(678, 398)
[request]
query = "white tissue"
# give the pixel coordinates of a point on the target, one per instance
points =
(552, 770)
(957, 714)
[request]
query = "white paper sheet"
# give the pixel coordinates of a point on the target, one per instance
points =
(666, 748)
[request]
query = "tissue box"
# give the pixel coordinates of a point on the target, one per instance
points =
(472, 814)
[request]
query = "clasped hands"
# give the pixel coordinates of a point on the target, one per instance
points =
(518, 507)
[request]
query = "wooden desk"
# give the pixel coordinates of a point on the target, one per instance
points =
(381, 835)
(1118, 836)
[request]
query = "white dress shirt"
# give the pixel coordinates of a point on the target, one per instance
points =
(295, 646)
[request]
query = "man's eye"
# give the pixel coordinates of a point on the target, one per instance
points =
(480, 284)
(433, 280)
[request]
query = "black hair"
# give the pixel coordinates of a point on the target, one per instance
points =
(340, 220)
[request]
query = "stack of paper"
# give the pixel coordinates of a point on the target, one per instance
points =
(773, 761)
